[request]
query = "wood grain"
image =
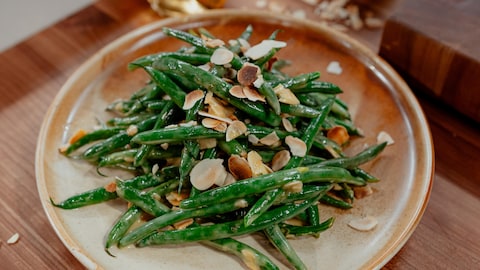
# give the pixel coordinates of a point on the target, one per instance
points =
(436, 43)
(33, 71)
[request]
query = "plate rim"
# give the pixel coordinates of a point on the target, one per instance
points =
(393, 76)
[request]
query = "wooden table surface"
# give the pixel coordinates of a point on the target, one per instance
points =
(32, 72)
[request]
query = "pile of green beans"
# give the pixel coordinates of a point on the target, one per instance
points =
(152, 136)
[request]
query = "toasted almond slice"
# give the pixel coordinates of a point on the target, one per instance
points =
(255, 161)
(13, 239)
(259, 81)
(210, 122)
(155, 168)
(285, 95)
(334, 68)
(248, 74)
(252, 94)
(295, 186)
(221, 56)
(207, 143)
(287, 125)
(183, 224)
(230, 179)
(253, 139)
(192, 98)
(280, 159)
(296, 145)
(216, 117)
(237, 91)
(132, 130)
(239, 167)
(338, 134)
(385, 137)
(222, 127)
(77, 136)
(363, 224)
(188, 124)
(270, 139)
(206, 66)
(235, 129)
(244, 45)
(263, 48)
(362, 192)
(216, 107)
(214, 43)
(164, 146)
(174, 198)
(207, 172)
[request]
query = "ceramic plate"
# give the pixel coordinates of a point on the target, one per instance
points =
(379, 101)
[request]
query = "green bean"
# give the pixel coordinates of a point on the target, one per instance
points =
(236, 48)
(266, 182)
(189, 154)
(100, 194)
(316, 86)
(299, 110)
(357, 160)
(178, 215)
(116, 141)
(262, 205)
(122, 225)
(232, 147)
(251, 257)
(329, 200)
(358, 172)
(300, 81)
(266, 89)
(176, 134)
(144, 200)
(310, 132)
(95, 135)
(306, 230)
(192, 58)
(166, 84)
(216, 85)
(227, 229)
(162, 120)
(276, 237)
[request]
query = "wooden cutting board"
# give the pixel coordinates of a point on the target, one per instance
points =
(436, 43)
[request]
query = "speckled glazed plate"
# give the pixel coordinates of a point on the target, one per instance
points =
(379, 100)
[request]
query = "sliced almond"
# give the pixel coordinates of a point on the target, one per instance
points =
(263, 48)
(13, 239)
(270, 139)
(239, 167)
(210, 122)
(230, 179)
(334, 68)
(222, 127)
(256, 164)
(252, 94)
(285, 95)
(216, 117)
(259, 81)
(217, 108)
(237, 91)
(362, 192)
(385, 137)
(338, 134)
(295, 186)
(214, 43)
(183, 224)
(174, 198)
(287, 125)
(192, 98)
(253, 139)
(207, 172)
(207, 143)
(132, 130)
(244, 45)
(155, 168)
(248, 74)
(280, 159)
(363, 224)
(221, 56)
(296, 145)
(235, 129)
